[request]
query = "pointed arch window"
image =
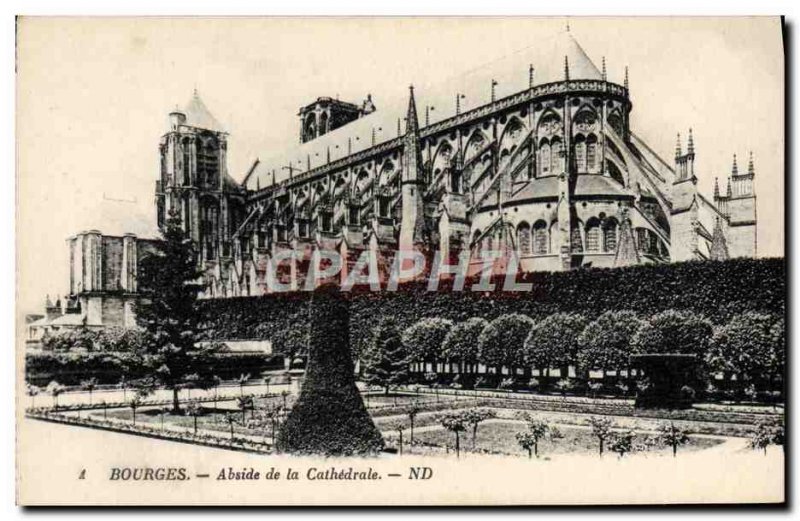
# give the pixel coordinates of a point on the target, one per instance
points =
(524, 238)
(591, 153)
(610, 236)
(580, 153)
(540, 239)
(576, 241)
(544, 158)
(593, 236)
(556, 159)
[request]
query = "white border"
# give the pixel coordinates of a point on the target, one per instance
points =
(302, 7)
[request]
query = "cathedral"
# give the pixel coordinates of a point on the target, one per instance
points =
(551, 173)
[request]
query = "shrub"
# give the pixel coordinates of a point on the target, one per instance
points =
(747, 346)
(329, 417)
(605, 342)
(386, 361)
(461, 343)
(674, 331)
(502, 340)
(424, 340)
(553, 342)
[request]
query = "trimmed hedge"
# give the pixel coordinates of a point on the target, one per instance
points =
(329, 418)
(70, 368)
(717, 290)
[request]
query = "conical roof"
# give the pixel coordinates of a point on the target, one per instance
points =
(198, 115)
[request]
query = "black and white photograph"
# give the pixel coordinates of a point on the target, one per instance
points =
(451, 261)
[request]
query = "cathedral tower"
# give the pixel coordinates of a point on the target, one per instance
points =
(742, 240)
(194, 182)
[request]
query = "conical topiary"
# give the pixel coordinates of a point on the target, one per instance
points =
(329, 418)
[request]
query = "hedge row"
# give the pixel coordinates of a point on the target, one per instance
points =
(70, 368)
(717, 290)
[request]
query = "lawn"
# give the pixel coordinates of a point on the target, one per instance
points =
(210, 418)
(499, 436)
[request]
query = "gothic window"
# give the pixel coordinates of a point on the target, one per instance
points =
(477, 243)
(302, 229)
(615, 121)
(610, 236)
(591, 153)
(326, 222)
(585, 120)
(614, 172)
(540, 239)
(544, 158)
(187, 160)
(524, 238)
(556, 161)
(575, 239)
(580, 153)
(209, 222)
(593, 236)
(455, 181)
(641, 239)
(354, 215)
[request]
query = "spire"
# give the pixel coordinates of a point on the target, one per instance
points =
(530, 76)
(678, 150)
(626, 78)
(566, 68)
(627, 254)
(734, 167)
(328, 154)
(604, 69)
(690, 146)
(730, 188)
(412, 125)
(750, 168)
(716, 188)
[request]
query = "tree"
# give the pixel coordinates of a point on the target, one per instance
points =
(54, 389)
(745, 346)
(527, 441)
(399, 428)
(134, 404)
(412, 415)
(168, 287)
(243, 379)
(553, 342)
(215, 382)
(454, 422)
(473, 417)
(461, 343)
(329, 417)
(386, 359)
(622, 442)
(231, 419)
(767, 432)
(605, 342)
(194, 410)
(502, 341)
(537, 430)
(32, 391)
(673, 436)
(601, 429)
(89, 385)
(245, 402)
(672, 331)
(424, 340)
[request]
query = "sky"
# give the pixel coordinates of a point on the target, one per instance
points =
(93, 96)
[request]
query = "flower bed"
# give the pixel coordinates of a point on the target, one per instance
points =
(209, 440)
